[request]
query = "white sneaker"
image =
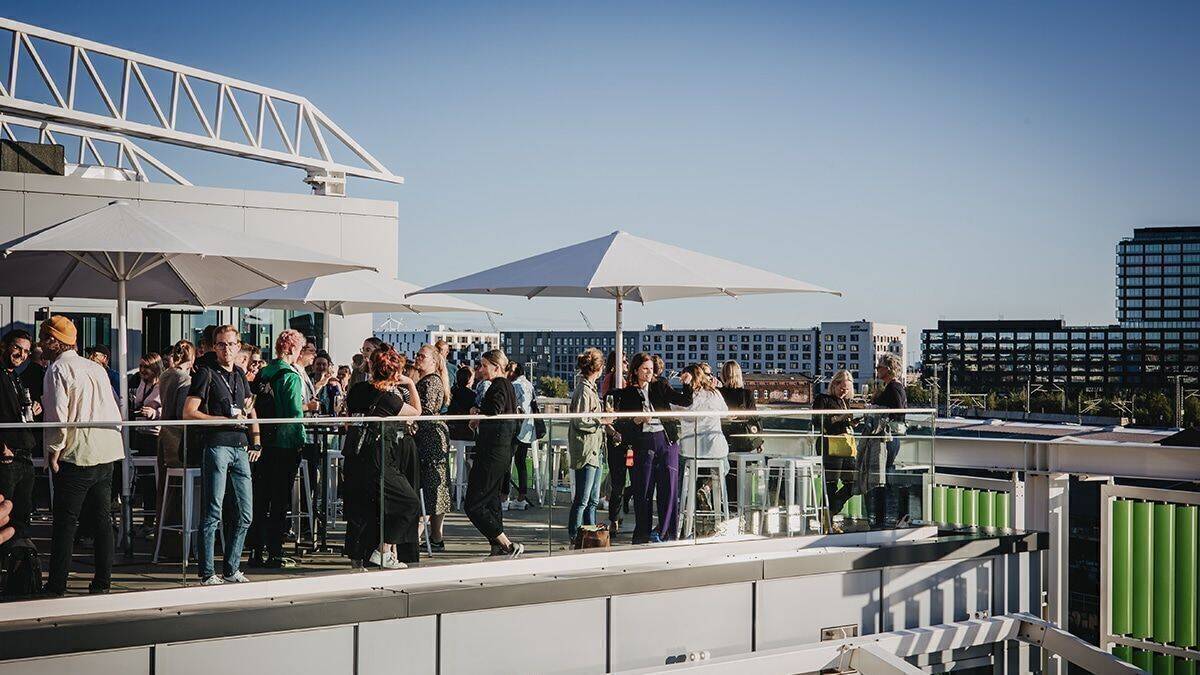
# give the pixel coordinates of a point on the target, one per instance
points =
(387, 561)
(519, 505)
(212, 580)
(506, 505)
(236, 578)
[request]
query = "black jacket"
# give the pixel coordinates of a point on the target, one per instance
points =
(662, 396)
(21, 441)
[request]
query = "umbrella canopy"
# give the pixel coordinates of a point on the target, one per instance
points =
(85, 256)
(359, 292)
(621, 266)
(119, 252)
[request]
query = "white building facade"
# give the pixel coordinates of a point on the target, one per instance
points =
(466, 346)
(856, 346)
(758, 350)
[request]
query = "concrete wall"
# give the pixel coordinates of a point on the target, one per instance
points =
(361, 230)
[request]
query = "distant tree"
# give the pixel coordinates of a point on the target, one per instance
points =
(918, 395)
(553, 387)
(1154, 409)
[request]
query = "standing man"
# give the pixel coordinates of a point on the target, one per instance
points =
(16, 445)
(281, 383)
(82, 458)
(219, 391)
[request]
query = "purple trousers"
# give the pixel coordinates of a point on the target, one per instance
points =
(655, 476)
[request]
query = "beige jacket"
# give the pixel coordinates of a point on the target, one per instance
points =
(78, 390)
(585, 441)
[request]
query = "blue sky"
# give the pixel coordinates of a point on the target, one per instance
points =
(931, 159)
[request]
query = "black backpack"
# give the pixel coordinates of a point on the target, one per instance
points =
(264, 403)
(22, 571)
(539, 425)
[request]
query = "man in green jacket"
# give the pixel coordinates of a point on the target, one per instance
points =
(279, 387)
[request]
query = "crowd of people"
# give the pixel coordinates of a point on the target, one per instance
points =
(394, 474)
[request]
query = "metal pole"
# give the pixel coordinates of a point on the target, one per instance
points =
(1178, 401)
(618, 375)
(123, 400)
(947, 390)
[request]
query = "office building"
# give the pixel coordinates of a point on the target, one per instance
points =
(554, 352)
(1157, 337)
(466, 346)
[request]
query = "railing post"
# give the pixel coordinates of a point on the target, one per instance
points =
(1047, 495)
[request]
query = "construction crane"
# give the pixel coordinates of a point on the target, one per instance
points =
(587, 321)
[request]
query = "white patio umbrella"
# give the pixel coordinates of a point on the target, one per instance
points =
(349, 293)
(620, 266)
(118, 251)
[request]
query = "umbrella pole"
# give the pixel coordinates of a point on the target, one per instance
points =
(325, 330)
(618, 374)
(123, 400)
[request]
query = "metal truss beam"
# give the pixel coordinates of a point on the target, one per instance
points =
(127, 150)
(884, 653)
(248, 138)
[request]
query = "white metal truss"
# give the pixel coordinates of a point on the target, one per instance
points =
(263, 116)
(884, 653)
(127, 152)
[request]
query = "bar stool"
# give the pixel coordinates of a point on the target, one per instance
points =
(748, 464)
(302, 497)
(691, 481)
(799, 477)
(189, 511)
(460, 449)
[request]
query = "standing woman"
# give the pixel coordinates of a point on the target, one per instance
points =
(738, 430)
(525, 437)
(383, 465)
(493, 455)
(886, 487)
(147, 403)
(617, 449)
(701, 437)
(585, 441)
(655, 446)
(443, 352)
(462, 400)
(838, 449)
(433, 444)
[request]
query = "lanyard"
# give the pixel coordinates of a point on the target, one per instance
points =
(233, 400)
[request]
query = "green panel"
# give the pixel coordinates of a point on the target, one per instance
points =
(1186, 571)
(1185, 667)
(1143, 570)
(1122, 567)
(854, 507)
(1143, 659)
(970, 502)
(1164, 573)
(1123, 652)
(1164, 664)
(939, 503)
(984, 509)
(954, 506)
(1001, 510)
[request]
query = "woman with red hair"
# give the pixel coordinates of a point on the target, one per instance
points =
(382, 470)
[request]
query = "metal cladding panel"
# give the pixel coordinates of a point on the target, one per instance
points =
(380, 642)
(329, 651)
(560, 637)
(1186, 573)
(1143, 570)
(934, 593)
(656, 629)
(1164, 573)
(1122, 567)
(1001, 509)
(845, 598)
(123, 661)
(45, 209)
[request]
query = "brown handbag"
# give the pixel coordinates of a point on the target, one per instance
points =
(591, 536)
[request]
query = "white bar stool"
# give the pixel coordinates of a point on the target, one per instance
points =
(189, 509)
(798, 476)
(691, 481)
(460, 449)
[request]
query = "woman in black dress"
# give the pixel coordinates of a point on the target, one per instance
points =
(494, 441)
(462, 399)
(382, 472)
(839, 454)
(738, 429)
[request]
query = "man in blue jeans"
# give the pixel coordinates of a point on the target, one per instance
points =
(219, 391)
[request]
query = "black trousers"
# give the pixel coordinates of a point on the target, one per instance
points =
(272, 478)
(16, 484)
(81, 493)
(520, 455)
(489, 474)
(617, 471)
(839, 469)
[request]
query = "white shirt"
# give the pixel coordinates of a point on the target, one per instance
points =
(701, 437)
(78, 390)
(654, 424)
